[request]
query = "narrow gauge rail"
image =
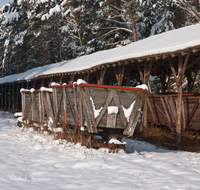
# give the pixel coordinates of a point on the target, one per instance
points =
(92, 109)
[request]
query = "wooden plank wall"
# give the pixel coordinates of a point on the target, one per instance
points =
(75, 105)
(162, 110)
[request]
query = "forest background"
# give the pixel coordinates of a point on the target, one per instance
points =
(34, 33)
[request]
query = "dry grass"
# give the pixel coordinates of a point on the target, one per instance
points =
(165, 138)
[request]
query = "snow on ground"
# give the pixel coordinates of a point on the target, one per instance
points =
(29, 160)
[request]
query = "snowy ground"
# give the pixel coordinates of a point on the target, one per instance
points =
(32, 161)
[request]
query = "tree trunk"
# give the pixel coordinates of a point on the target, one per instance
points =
(133, 27)
(117, 18)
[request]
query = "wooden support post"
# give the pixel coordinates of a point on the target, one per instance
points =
(23, 106)
(178, 113)
(181, 71)
(75, 104)
(189, 79)
(144, 127)
(55, 103)
(145, 78)
(2, 96)
(32, 106)
(179, 102)
(17, 97)
(65, 106)
(5, 97)
(100, 76)
(42, 82)
(9, 98)
(71, 79)
(120, 74)
(40, 110)
(86, 76)
(50, 81)
(61, 79)
(80, 96)
(13, 97)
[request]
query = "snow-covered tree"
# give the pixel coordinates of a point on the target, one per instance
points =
(192, 7)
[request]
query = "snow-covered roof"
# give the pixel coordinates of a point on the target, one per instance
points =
(168, 42)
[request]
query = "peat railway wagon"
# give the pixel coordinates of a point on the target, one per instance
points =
(162, 110)
(92, 109)
(98, 109)
(36, 106)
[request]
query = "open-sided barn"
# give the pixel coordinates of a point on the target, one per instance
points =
(174, 53)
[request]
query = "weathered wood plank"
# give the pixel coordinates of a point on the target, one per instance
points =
(75, 106)
(49, 107)
(80, 96)
(90, 109)
(87, 114)
(107, 102)
(155, 120)
(170, 111)
(193, 112)
(173, 108)
(70, 103)
(129, 130)
(118, 103)
(166, 112)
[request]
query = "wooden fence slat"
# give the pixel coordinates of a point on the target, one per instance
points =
(160, 110)
(183, 116)
(173, 108)
(65, 105)
(193, 112)
(80, 105)
(49, 107)
(75, 105)
(70, 103)
(87, 113)
(167, 115)
(170, 111)
(155, 120)
(90, 108)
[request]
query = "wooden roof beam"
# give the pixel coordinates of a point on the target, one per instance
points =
(158, 57)
(164, 56)
(194, 50)
(140, 60)
(133, 61)
(127, 62)
(192, 63)
(149, 58)
(173, 55)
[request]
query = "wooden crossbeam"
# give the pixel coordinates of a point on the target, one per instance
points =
(173, 70)
(193, 62)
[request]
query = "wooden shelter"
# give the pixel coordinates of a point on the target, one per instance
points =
(175, 53)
